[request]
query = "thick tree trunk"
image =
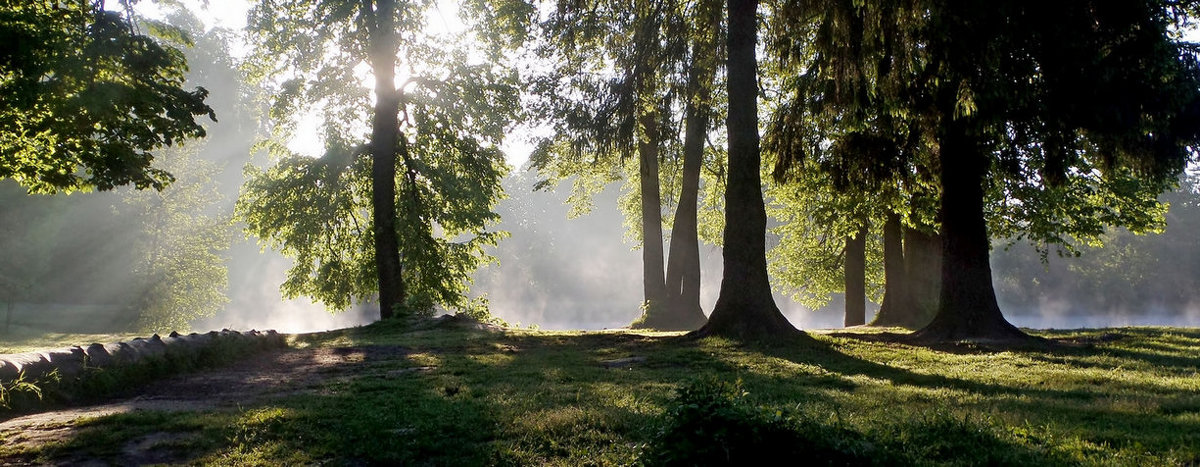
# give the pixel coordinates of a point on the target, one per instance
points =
(855, 277)
(745, 308)
(896, 309)
(923, 266)
(654, 287)
(967, 309)
(385, 133)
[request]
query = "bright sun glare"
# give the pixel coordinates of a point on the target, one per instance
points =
(442, 19)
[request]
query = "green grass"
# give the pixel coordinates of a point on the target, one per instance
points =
(22, 339)
(1126, 396)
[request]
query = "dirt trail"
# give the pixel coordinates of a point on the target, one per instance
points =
(264, 376)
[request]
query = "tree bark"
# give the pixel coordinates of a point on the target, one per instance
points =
(745, 308)
(654, 287)
(385, 134)
(855, 277)
(923, 266)
(896, 309)
(683, 258)
(967, 309)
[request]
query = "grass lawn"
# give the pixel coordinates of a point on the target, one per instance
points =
(22, 339)
(1128, 396)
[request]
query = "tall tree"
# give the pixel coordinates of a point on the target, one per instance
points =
(912, 265)
(683, 261)
(745, 307)
(647, 59)
(831, 132)
(1029, 106)
(86, 99)
(1086, 88)
(382, 48)
(436, 134)
(923, 269)
(855, 276)
(654, 282)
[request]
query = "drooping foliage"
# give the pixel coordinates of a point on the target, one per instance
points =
(87, 99)
(843, 154)
(451, 114)
(628, 81)
(808, 262)
(1048, 120)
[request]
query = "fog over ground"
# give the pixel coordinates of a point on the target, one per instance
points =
(561, 273)
(554, 272)
(558, 273)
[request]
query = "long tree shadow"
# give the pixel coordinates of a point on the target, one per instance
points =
(1130, 414)
(470, 397)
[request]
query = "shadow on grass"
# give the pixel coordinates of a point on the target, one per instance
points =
(474, 398)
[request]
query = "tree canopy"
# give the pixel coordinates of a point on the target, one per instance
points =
(431, 142)
(86, 99)
(1066, 117)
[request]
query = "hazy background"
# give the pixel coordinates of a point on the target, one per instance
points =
(75, 256)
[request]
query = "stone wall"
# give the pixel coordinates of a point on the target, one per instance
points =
(72, 361)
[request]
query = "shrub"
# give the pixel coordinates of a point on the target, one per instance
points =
(714, 423)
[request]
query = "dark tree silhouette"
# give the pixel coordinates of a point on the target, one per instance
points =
(665, 55)
(1044, 120)
(745, 307)
(385, 138)
(1052, 92)
(856, 268)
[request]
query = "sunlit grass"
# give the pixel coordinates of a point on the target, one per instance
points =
(21, 339)
(1127, 396)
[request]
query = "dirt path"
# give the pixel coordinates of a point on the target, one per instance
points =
(264, 376)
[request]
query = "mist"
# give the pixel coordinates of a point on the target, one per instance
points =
(256, 303)
(77, 256)
(561, 273)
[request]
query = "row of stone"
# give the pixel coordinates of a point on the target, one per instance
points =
(71, 361)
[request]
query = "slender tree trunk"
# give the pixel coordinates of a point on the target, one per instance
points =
(683, 265)
(654, 287)
(385, 133)
(967, 309)
(896, 309)
(683, 258)
(8, 318)
(745, 308)
(855, 278)
(923, 266)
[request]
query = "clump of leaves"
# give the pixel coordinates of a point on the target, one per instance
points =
(714, 423)
(16, 392)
